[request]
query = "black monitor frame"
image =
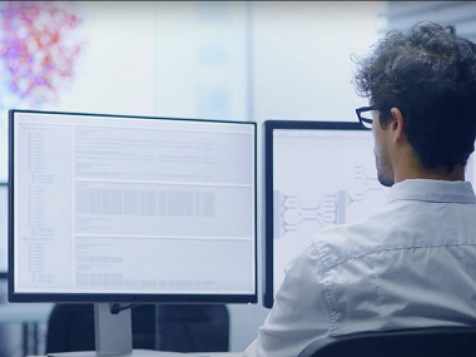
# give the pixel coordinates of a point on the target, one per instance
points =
(4, 273)
(108, 297)
(268, 128)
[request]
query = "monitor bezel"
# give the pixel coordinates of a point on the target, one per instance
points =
(120, 297)
(268, 218)
(4, 269)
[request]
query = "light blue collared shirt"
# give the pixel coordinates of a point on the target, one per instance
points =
(411, 265)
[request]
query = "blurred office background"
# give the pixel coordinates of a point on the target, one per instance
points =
(233, 60)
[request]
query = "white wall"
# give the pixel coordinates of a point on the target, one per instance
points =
(301, 63)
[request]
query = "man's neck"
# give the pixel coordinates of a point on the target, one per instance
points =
(419, 172)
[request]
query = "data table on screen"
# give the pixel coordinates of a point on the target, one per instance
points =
(108, 205)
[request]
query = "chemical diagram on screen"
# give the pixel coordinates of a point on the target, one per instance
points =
(332, 208)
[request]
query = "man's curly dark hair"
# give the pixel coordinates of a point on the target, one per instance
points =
(429, 74)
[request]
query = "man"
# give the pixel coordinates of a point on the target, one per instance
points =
(413, 264)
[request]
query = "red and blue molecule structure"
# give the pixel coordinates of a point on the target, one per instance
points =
(38, 49)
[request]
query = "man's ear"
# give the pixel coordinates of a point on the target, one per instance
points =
(397, 125)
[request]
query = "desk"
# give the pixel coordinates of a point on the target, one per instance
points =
(216, 354)
(170, 354)
(30, 316)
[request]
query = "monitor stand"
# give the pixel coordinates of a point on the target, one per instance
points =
(113, 336)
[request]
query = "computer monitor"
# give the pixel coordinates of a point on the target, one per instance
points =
(112, 208)
(316, 174)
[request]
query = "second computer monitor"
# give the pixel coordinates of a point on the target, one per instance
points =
(317, 174)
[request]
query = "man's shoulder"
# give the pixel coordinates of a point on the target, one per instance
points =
(339, 243)
(401, 225)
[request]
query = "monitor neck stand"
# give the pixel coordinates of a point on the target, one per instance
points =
(113, 336)
(113, 331)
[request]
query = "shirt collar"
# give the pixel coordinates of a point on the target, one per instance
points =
(432, 191)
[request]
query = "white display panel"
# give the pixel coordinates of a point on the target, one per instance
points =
(133, 205)
(472, 178)
(470, 170)
(320, 178)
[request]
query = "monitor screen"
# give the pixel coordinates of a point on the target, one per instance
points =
(122, 208)
(317, 174)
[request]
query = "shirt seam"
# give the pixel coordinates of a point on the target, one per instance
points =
(362, 256)
(428, 200)
(328, 293)
(378, 297)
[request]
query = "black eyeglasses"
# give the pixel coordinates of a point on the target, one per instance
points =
(365, 116)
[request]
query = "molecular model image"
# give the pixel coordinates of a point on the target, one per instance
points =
(39, 48)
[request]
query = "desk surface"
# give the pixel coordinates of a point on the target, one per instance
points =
(172, 354)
